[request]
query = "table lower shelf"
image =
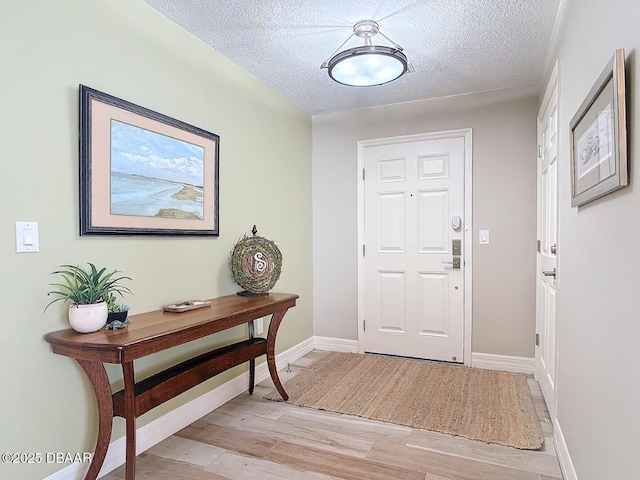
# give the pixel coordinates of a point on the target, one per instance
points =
(158, 388)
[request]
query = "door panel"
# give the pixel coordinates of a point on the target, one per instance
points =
(433, 166)
(391, 231)
(433, 311)
(391, 170)
(433, 208)
(392, 302)
(413, 295)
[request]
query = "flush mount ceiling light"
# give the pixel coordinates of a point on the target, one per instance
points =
(367, 65)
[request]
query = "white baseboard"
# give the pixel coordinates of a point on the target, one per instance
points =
(506, 363)
(163, 427)
(335, 344)
(564, 459)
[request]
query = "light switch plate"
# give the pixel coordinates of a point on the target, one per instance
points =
(483, 237)
(27, 240)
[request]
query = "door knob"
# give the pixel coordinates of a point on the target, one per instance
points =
(455, 263)
(549, 273)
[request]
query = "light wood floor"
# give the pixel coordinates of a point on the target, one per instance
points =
(250, 438)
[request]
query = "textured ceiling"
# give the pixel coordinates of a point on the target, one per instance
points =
(454, 46)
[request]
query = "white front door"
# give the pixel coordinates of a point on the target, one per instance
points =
(545, 363)
(414, 224)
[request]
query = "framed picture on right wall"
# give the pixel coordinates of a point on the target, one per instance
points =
(599, 163)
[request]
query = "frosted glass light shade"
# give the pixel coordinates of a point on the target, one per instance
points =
(367, 66)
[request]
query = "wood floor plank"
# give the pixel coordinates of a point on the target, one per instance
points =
(152, 467)
(356, 426)
(223, 418)
(337, 465)
(547, 429)
(240, 467)
(187, 450)
(308, 433)
(529, 460)
(438, 463)
(231, 439)
(254, 405)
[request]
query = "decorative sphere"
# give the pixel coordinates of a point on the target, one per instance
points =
(256, 264)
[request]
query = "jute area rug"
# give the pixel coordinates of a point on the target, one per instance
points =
(486, 405)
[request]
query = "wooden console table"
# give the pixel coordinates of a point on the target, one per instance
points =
(157, 331)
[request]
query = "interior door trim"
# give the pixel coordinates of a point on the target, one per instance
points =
(465, 133)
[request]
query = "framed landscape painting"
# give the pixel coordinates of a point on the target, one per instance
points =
(144, 173)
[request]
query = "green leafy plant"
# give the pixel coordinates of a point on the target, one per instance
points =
(83, 286)
(114, 307)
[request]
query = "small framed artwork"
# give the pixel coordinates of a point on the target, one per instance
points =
(144, 173)
(599, 137)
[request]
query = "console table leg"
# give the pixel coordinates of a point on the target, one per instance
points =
(130, 419)
(102, 389)
(271, 352)
(252, 375)
(252, 363)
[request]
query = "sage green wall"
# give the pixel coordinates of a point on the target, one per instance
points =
(126, 49)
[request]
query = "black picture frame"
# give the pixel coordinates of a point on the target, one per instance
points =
(144, 173)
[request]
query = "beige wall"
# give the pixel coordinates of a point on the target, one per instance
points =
(126, 49)
(504, 202)
(598, 324)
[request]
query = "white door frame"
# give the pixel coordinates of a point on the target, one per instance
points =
(468, 225)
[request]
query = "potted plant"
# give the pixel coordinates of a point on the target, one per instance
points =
(117, 314)
(88, 290)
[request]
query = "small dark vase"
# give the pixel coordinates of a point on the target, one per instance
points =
(117, 316)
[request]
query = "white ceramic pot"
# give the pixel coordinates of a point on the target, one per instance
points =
(88, 318)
